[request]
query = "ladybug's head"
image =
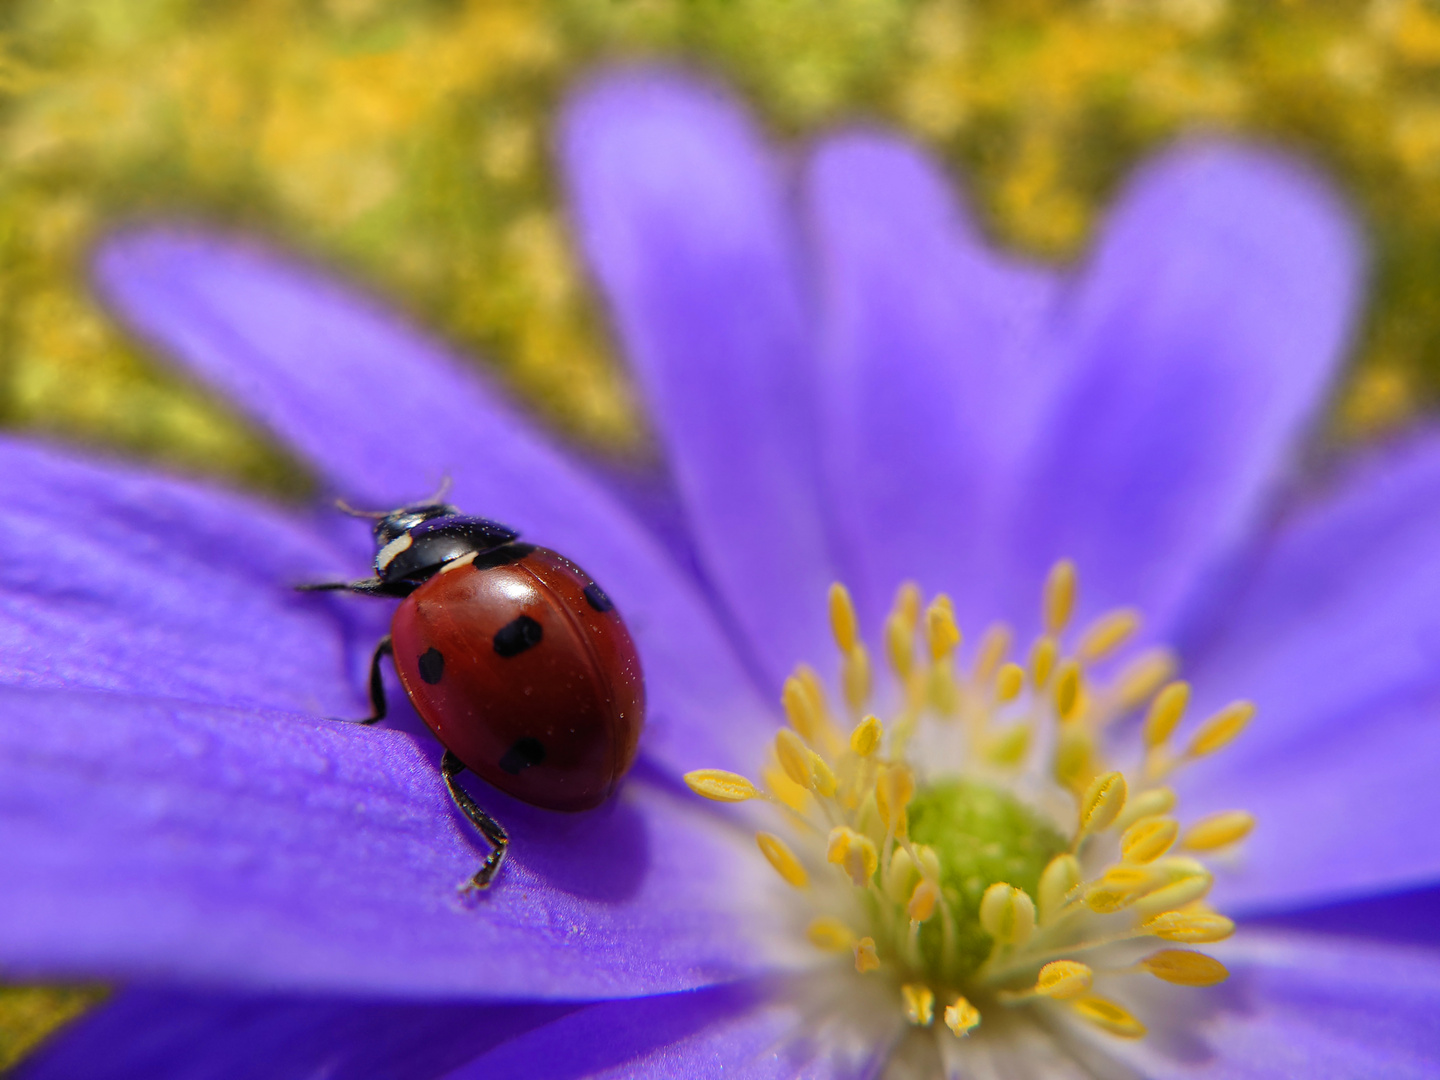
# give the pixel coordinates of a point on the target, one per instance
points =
(414, 542)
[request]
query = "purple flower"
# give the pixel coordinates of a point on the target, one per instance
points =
(848, 384)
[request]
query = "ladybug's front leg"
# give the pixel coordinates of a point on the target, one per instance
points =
(492, 830)
(377, 684)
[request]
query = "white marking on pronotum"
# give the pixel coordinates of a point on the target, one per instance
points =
(388, 553)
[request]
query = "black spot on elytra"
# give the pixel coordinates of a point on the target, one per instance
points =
(432, 665)
(597, 598)
(526, 752)
(517, 635)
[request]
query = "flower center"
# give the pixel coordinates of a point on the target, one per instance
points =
(977, 849)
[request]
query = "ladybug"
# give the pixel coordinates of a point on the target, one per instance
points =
(512, 655)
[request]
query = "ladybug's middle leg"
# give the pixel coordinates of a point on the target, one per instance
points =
(492, 830)
(377, 684)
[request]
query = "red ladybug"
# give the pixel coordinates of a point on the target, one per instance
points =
(514, 658)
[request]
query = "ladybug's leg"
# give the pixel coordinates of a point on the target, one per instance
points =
(492, 830)
(377, 684)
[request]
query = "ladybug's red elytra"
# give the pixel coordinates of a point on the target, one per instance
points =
(514, 658)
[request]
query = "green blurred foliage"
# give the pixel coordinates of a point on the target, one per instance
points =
(408, 141)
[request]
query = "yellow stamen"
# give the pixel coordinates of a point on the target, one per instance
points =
(961, 1017)
(1148, 839)
(825, 783)
(1102, 803)
(994, 647)
(1009, 681)
(894, 788)
(922, 901)
(866, 959)
(794, 758)
(1185, 968)
(782, 859)
(1067, 690)
(1060, 876)
(1043, 655)
(1063, 979)
(1165, 713)
(853, 853)
(798, 709)
(866, 737)
(919, 1002)
(1108, 1016)
(1060, 588)
(900, 644)
(1146, 804)
(830, 934)
(720, 785)
(941, 632)
(1074, 764)
(843, 623)
(855, 677)
(1107, 633)
(1190, 927)
(1221, 729)
(1009, 747)
(1007, 914)
(1179, 881)
(1218, 830)
(1143, 676)
(900, 875)
(907, 604)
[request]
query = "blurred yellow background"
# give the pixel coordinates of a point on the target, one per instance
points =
(408, 140)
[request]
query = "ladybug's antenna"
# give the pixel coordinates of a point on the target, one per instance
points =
(442, 491)
(346, 508)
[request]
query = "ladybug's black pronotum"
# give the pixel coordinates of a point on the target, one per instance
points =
(514, 658)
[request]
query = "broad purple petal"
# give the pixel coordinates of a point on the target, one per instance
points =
(932, 383)
(121, 579)
(170, 1034)
(154, 840)
(681, 211)
(1304, 1006)
(1198, 343)
(385, 412)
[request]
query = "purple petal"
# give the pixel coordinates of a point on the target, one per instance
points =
(1307, 1006)
(682, 213)
(166, 1034)
(385, 412)
(1335, 634)
(154, 840)
(931, 382)
(1200, 341)
(1406, 918)
(118, 579)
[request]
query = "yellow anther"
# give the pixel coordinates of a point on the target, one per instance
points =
(1143, 676)
(866, 959)
(1221, 729)
(1068, 684)
(961, 1017)
(1165, 712)
(1108, 1016)
(1148, 839)
(1190, 927)
(1009, 681)
(994, 647)
(830, 934)
(794, 758)
(1218, 830)
(720, 785)
(1007, 914)
(853, 853)
(1102, 802)
(907, 603)
(1064, 979)
(1009, 747)
(941, 632)
(865, 739)
(1043, 655)
(894, 788)
(1179, 881)
(855, 677)
(1060, 588)
(825, 783)
(923, 901)
(814, 688)
(1074, 764)
(1107, 633)
(929, 861)
(1119, 887)
(1061, 875)
(900, 876)
(782, 859)
(798, 709)
(1185, 968)
(842, 618)
(900, 644)
(1146, 804)
(919, 1002)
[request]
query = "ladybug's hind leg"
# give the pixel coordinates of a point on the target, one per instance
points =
(492, 830)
